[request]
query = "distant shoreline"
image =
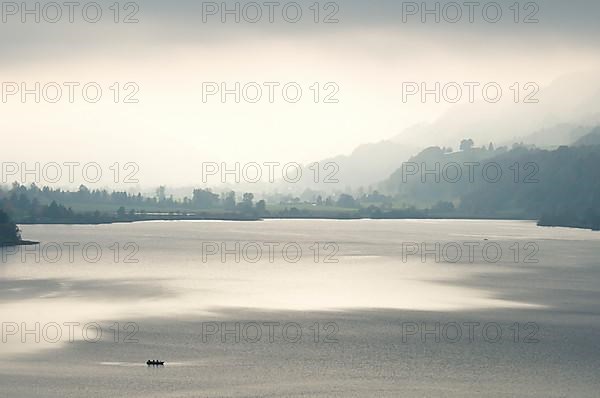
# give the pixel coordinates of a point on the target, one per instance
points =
(255, 219)
(545, 221)
(20, 243)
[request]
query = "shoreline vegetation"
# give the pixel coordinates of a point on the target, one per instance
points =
(340, 207)
(10, 234)
(556, 188)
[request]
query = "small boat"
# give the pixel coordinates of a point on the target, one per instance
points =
(155, 363)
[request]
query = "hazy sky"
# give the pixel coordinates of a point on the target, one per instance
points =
(171, 52)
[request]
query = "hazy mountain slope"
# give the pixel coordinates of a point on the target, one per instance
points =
(592, 138)
(559, 187)
(553, 137)
(364, 167)
(569, 101)
(429, 177)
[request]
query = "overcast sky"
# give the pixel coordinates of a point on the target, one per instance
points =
(374, 48)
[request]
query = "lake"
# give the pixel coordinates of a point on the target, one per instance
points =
(411, 308)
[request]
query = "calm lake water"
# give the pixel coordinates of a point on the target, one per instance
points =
(358, 298)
